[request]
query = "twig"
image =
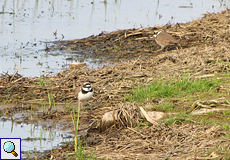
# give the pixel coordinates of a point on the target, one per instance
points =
(143, 136)
(44, 73)
(147, 117)
(136, 60)
(17, 80)
(202, 105)
(15, 72)
(87, 128)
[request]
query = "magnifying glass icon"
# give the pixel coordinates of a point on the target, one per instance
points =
(9, 147)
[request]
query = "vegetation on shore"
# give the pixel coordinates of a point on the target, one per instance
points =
(191, 85)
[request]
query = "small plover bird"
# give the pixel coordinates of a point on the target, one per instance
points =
(86, 92)
(164, 39)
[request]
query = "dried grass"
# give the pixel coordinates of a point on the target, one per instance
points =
(188, 141)
(205, 51)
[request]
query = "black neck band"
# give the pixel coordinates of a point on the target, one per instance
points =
(84, 92)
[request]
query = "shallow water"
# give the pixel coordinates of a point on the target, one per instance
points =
(33, 137)
(26, 24)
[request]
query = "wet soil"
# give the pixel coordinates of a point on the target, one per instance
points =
(204, 51)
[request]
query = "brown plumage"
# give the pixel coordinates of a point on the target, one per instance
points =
(164, 39)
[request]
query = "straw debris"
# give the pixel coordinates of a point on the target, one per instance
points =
(204, 53)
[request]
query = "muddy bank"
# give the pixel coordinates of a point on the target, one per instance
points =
(205, 51)
(204, 42)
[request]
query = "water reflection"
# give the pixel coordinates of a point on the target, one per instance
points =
(33, 137)
(25, 24)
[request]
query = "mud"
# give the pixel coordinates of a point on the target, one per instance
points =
(205, 51)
